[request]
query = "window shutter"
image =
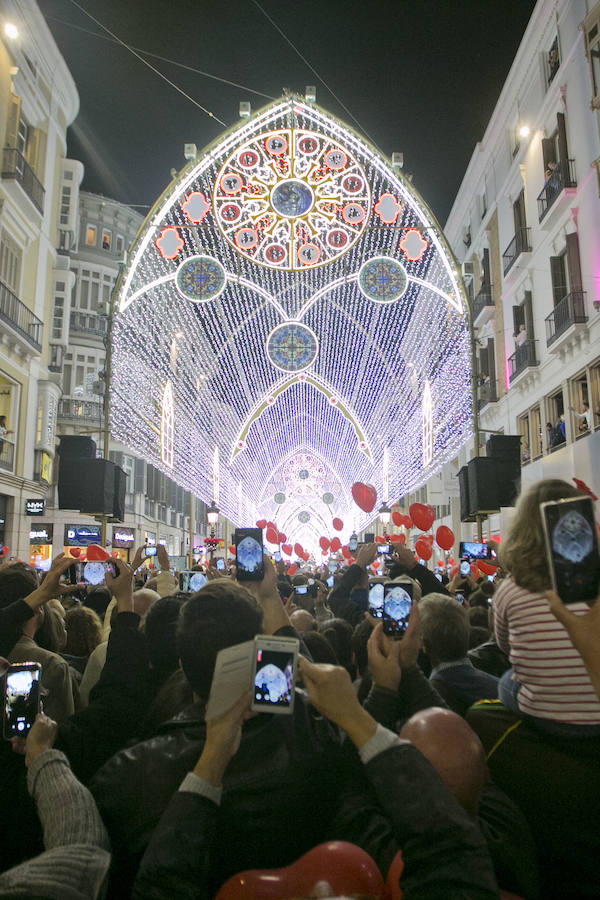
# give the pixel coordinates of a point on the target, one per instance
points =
(528, 315)
(573, 262)
(563, 153)
(548, 151)
(491, 362)
(484, 366)
(485, 270)
(12, 125)
(518, 318)
(557, 273)
(519, 212)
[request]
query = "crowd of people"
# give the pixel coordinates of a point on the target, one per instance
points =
(459, 760)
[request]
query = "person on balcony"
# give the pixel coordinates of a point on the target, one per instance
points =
(586, 415)
(3, 432)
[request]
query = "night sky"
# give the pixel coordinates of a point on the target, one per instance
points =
(420, 77)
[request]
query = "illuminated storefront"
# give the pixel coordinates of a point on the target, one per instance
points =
(123, 540)
(40, 546)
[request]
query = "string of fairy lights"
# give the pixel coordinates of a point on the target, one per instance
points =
(290, 294)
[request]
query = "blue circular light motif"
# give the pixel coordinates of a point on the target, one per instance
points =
(279, 497)
(291, 198)
(292, 347)
(200, 278)
(303, 474)
(304, 517)
(382, 279)
(249, 554)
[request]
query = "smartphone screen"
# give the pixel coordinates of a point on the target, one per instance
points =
(383, 548)
(460, 598)
(474, 550)
(274, 677)
(249, 554)
(190, 582)
(397, 605)
(376, 601)
(277, 556)
(332, 566)
(221, 564)
(301, 588)
(438, 576)
(21, 698)
(149, 551)
(353, 544)
(464, 568)
(91, 572)
(330, 581)
(572, 548)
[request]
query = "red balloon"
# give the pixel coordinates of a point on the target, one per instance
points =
(423, 549)
(365, 496)
(232, 549)
(397, 518)
(337, 524)
(272, 525)
(427, 537)
(287, 549)
(408, 522)
(444, 537)
(75, 551)
(272, 535)
(282, 538)
(306, 556)
(346, 553)
(324, 544)
(291, 569)
(474, 570)
(298, 549)
(95, 553)
(451, 560)
(262, 523)
(375, 565)
(423, 516)
(4, 550)
(487, 568)
(379, 539)
(440, 564)
(336, 545)
(396, 538)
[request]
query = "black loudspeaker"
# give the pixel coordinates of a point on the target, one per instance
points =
(505, 449)
(118, 511)
(506, 446)
(97, 478)
(483, 485)
(71, 450)
(463, 484)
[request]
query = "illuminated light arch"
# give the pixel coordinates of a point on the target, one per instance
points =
(275, 392)
(427, 425)
(339, 203)
(167, 427)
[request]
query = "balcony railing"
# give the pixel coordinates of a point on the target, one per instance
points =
(78, 410)
(14, 165)
(7, 455)
(20, 317)
(519, 244)
(561, 177)
(486, 393)
(481, 300)
(523, 357)
(569, 311)
(88, 323)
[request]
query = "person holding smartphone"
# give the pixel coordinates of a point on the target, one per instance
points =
(548, 683)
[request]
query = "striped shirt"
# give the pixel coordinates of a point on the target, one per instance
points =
(555, 682)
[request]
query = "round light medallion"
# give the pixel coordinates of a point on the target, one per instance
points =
(292, 347)
(382, 279)
(200, 278)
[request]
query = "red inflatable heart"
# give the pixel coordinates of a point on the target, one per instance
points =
(397, 518)
(272, 535)
(262, 523)
(365, 496)
(423, 516)
(346, 552)
(299, 550)
(379, 539)
(423, 548)
(75, 551)
(375, 565)
(487, 568)
(336, 545)
(306, 556)
(324, 544)
(398, 538)
(287, 549)
(282, 538)
(338, 524)
(95, 553)
(444, 537)
(408, 522)
(232, 549)
(292, 569)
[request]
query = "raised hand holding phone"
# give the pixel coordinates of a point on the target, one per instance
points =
(331, 693)
(121, 586)
(223, 736)
(51, 586)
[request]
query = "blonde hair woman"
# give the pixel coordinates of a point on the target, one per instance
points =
(548, 683)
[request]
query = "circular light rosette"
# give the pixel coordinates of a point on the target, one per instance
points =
(200, 279)
(292, 347)
(382, 279)
(292, 199)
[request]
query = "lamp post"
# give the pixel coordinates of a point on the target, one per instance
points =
(384, 514)
(212, 517)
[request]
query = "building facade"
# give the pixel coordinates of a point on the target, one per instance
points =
(525, 226)
(38, 100)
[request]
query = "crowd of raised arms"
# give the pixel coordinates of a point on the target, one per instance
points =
(457, 757)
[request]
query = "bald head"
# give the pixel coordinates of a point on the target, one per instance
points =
(303, 621)
(143, 600)
(454, 751)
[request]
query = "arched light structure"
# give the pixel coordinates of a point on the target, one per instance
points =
(290, 297)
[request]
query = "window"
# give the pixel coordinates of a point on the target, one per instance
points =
(553, 60)
(555, 427)
(595, 392)
(558, 273)
(10, 262)
(524, 431)
(581, 415)
(90, 236)
(483, 204)
(106, 239)
(68, 175)
(65, 205)
(120, 243)
(535, 432)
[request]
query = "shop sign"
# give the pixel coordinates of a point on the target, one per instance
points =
(81, 535)
(41, 534)
(35, 507)
(123, 537)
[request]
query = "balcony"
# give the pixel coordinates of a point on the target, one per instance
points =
(519, 244)
(568, 315)
(88, 411)
(523, 358)
(88, 324)
(562, 177)
(20, 318)
(14, 165)
(7, 455)
(486, 393)
(482, 307)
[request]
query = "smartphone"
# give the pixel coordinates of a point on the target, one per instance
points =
(464, 567)
(220, 563)
(91, 572)
(277, 556)
(460, 598)
(370, 537)
(330, 581)
(353, 543)
(149, 551)
(438, 576)
(572, 548)
(397, 604)
(274, 675)
(383, 548)
(376, 601)
(266, 665)
(21, 698)
(190, 582)
(249, 554)
(332, 566)
(474, 550)
(301, 588)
